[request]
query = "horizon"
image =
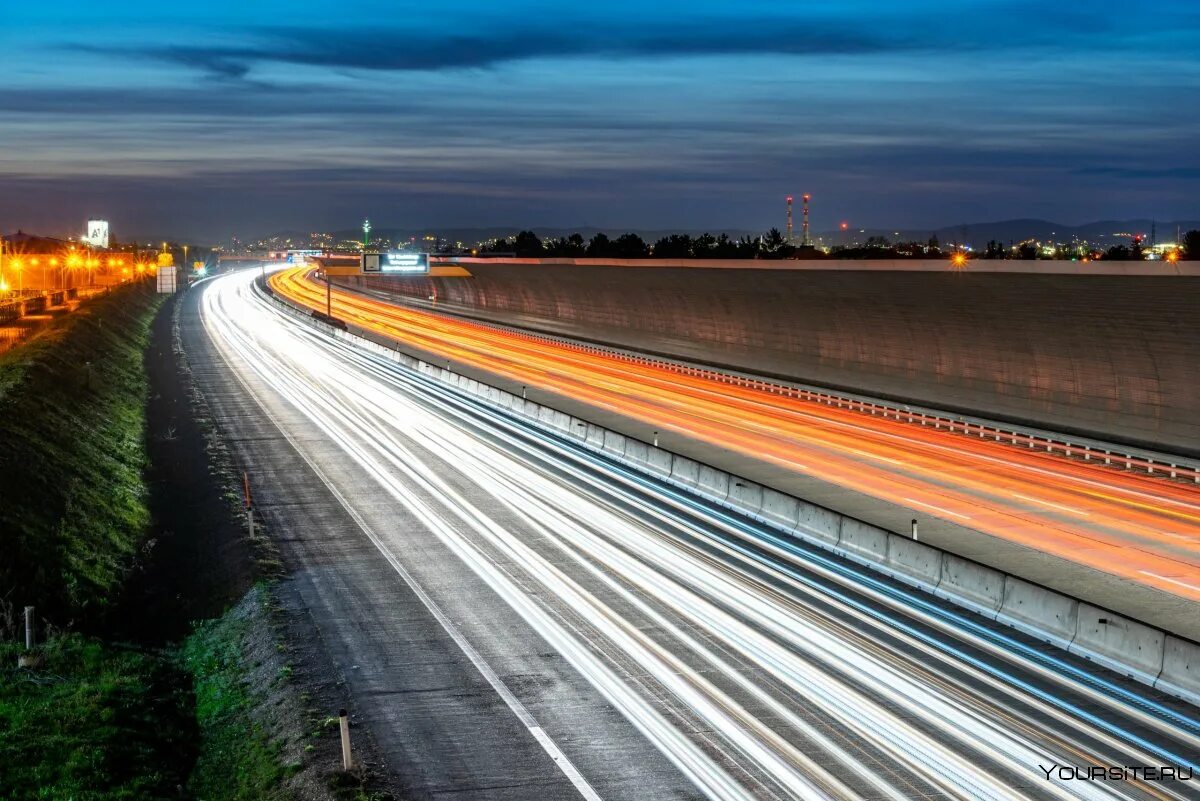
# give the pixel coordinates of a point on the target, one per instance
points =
(1166, 230)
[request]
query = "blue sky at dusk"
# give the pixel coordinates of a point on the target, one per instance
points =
(214, 118)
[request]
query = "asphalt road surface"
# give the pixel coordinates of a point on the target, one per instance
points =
(519, 618)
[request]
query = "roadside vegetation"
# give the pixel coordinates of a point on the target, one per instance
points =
(72, 424)
(115, 702)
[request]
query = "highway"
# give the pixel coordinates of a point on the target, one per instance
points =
(1139, 528)
(695, 654)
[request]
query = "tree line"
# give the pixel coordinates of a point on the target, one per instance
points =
(773, 245)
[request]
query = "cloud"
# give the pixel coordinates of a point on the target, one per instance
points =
(405, 50)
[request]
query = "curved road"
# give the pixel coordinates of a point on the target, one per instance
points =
(695, 654)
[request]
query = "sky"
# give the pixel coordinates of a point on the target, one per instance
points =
(211, 119)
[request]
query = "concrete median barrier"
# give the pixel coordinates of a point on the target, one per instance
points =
(1119, 644)
(561, 422)
(971, 584)
(660, 461)
(818, 522)
(780, 510)
(614, 443)
(594, 436)
(864, 541)
(685, 471)
(713, 483)
(1181, 669)
(1039, 612)
(914, 561)
(746, 497)
(637, 453)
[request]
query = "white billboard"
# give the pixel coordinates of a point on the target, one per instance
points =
(97, 233)
(166, 280)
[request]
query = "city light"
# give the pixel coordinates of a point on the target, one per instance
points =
(959, 259)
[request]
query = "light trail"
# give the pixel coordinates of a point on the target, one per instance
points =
(1132, 526)
(754, 669)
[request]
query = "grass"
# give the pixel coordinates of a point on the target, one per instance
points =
(72, 427)
(238, 761)
(93, 722)
(102, 721)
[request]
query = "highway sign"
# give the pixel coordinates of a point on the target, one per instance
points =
(396, 263)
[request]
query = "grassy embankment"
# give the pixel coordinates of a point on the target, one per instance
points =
(103, 720)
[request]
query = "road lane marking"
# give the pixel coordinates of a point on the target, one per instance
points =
(1054, 505)
(936, 508)
(1173, 581)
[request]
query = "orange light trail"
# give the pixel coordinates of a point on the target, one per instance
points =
(1140, 528)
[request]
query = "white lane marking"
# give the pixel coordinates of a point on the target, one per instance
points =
(552, 750)
(936, 508)
(867, 454)
(1168, 578)
(1054, 505)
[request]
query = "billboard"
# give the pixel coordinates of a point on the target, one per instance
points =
(166, 280)
(302, 256)
(97, 233)
(395, 263)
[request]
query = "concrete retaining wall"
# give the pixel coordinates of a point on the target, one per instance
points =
(1125, 646)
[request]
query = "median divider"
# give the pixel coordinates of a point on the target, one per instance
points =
(914, 562)
(1181, 668)
(1146, 654)
(747, 496)
(978, 587)
(685, 471)
(713, 483)
(818, 524)
(1119, 644)
(780, 510)
(863, 542)
(1039, 612)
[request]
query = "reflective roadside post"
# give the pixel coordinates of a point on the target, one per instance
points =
(344, 726)
(914, 531)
